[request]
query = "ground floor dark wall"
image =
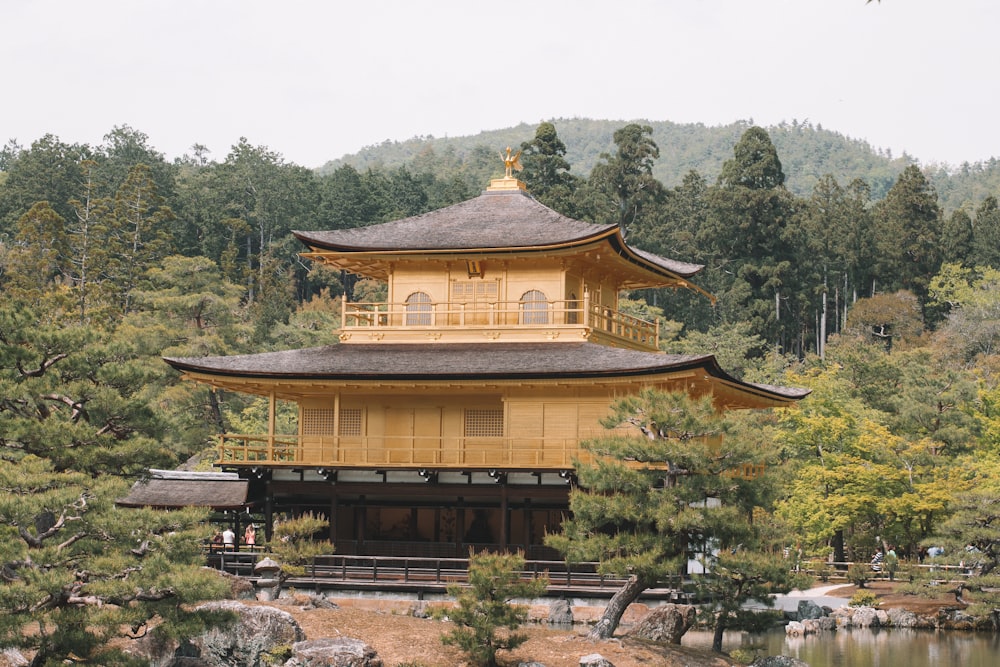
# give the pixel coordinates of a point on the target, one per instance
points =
(428, 520)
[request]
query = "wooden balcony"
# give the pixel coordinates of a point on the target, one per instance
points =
(514, 321)
(388, 452)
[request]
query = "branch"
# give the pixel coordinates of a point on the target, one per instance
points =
(77, 406)
(45, 365)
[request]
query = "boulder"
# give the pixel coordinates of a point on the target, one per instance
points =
(864, 617)
(258, 629)
(595, 660)
(795, 629)
(666, 623)
(560, 612)
(11, 657)
(333, 652)
(901, 618)
(809, 609)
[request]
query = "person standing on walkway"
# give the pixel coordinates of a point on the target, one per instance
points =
(250, 536)
(229, 539)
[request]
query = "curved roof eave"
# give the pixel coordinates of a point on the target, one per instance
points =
(477, 361)
(492, 222)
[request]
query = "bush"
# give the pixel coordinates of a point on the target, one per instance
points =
(484, 607)
(859, 574)
(863, 599)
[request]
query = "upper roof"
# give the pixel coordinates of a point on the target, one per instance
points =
(470, 361)
(504, 221)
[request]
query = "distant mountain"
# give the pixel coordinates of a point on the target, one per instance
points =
(807, 153)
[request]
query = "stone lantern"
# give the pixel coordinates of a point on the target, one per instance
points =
(268, 573)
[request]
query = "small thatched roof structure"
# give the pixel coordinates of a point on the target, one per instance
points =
(172, 489)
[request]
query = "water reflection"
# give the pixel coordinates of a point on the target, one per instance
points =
(868, 648)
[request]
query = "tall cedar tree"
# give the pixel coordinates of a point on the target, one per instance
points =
(546, 171)
(747, 233)
(908, 235)
(622, 184)
(663, 485)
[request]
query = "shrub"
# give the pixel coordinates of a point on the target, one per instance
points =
(859, 574)
(484, 607)
(863, 599)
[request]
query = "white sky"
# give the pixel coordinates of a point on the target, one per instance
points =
(316, 79)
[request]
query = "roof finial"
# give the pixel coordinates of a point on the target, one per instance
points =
(508, 182)
(511, 163)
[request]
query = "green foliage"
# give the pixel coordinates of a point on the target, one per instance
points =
(85, 572)
(485, 614)
(859, 574)
(669, 477)
(295, 542)
(863, 599)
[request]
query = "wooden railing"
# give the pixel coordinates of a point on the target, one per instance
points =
(400, 452)
(603, 321)
(428, 574)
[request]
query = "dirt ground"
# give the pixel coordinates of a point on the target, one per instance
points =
(402, 639)
(888, 598)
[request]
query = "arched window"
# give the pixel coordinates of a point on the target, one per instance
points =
(418, 309)
(534, 308)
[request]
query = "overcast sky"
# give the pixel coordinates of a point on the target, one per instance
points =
(316, 80)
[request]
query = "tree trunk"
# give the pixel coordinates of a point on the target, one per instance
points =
(720, 628)
(619, 602)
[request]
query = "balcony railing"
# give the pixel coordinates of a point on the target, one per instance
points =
(516, 316)
(400, 452)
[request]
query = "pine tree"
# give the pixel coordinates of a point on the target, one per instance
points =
(485, 614)
(664, 485)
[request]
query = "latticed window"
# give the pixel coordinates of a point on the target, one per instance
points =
(317, 421)
(484, 423)
(418, 309)
(350, 421)
(534, 308)
(474, 291)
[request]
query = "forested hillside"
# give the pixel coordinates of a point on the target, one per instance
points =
(808, 152)
(859, 283)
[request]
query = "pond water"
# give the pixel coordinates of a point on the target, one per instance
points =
(868, 648)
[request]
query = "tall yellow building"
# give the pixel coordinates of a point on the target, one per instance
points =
(451, 414)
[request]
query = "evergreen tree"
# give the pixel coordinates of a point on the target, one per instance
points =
(748, 235)
(139, 234)
(908, 235)
(665, 485)
(485, 614)
(622, 188)
(48, 171)
(546, 171)
(40, 255)
(956, 238)
(986, 234)
(81, 575)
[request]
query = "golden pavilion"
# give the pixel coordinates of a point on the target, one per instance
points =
(450, 415)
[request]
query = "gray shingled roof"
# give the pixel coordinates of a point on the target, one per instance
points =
(460, 361)
(167, 490)
(491, 221)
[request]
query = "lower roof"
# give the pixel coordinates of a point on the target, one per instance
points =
(466, 361)
(166, 489)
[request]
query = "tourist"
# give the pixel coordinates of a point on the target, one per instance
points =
(250, 536)
(229, 539)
